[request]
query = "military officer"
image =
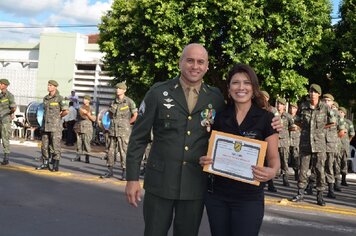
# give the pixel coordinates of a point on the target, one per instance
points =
(283, 142)
(123, 114)
(7, 109)
(313, 116)
(345, 146)
(174, 180)
(84, 129)
(54, 109)
(294, 135)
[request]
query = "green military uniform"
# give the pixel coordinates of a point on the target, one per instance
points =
(344, 154)
(7, 108)
(312, 146)
(121, 111)
(52, 126)
(84, 131)
(283, 142)
(294, 137)
(180, 138)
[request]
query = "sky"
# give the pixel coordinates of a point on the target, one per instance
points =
(17, 16)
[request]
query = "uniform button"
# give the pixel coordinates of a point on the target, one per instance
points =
(189, 117)
(167, 116)
(184, 163)
(186, 148)
(188, 132)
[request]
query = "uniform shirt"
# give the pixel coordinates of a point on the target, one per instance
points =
(84, 124)
(331, 134)
(53, 105)
(180, 138)
(122, 111)
(345, 140)
(256, 125)
(7, 102)
(312, 122)
(286, 121)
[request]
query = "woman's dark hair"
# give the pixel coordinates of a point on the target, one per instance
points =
(257, 97)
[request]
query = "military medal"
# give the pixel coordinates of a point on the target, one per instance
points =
(207, 117)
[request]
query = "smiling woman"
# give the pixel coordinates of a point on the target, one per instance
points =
(25, 20)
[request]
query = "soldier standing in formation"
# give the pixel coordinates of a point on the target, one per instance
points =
(313, 116)
(123, 114)
(283, 142)
(54, 109)
(294, 134)
(332, 147)
(7, 109)
(345, 147)
(84, 129)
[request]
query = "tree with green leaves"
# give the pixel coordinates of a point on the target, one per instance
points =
(142, 39)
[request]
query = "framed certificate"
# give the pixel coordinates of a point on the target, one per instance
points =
(233, 156)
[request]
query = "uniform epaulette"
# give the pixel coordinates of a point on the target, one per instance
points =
(159, 84)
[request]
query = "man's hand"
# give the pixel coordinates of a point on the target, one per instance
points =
(276, 123)
(133, 192)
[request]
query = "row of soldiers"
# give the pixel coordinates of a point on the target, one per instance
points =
(315, 141)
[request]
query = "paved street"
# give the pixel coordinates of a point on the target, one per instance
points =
(75, 201)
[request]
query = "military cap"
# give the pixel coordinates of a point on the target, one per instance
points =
(343, 109)
(87, 97)
(328, 95)
(281, 101)
(336, 104)
(265, 94)
(53, 82)
(293, 104)
(316, 88)
(121, 85)
(4, 81)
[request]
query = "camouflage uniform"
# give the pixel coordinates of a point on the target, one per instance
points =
(283, 145)
(84, 131)
(313, 145)
(52, 126)
(120, 129)
(341, 163)
(7, 107)
(294, 148)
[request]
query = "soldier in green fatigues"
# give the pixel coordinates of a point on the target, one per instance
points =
(294, 135)
(7, 109)
(54, 109)
(84, 129)
(174, 181)
(345, 147)
(313, 117)
(283, 142)
(332, 147)
(123, 114)
(270, 183)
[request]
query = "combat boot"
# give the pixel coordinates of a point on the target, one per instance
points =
(108, 174)
(331, 193)
(87, 159)
(77, 158)
(5, 161)
(299, 197)
(343, 180)
(55, 166)
(319, 199)
(337, 186)
(271, 186)
(44, 165)
(123, 174)
(285, 180)
(309, 189)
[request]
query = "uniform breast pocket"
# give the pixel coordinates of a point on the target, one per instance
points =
(168, 118)
(320, 120)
